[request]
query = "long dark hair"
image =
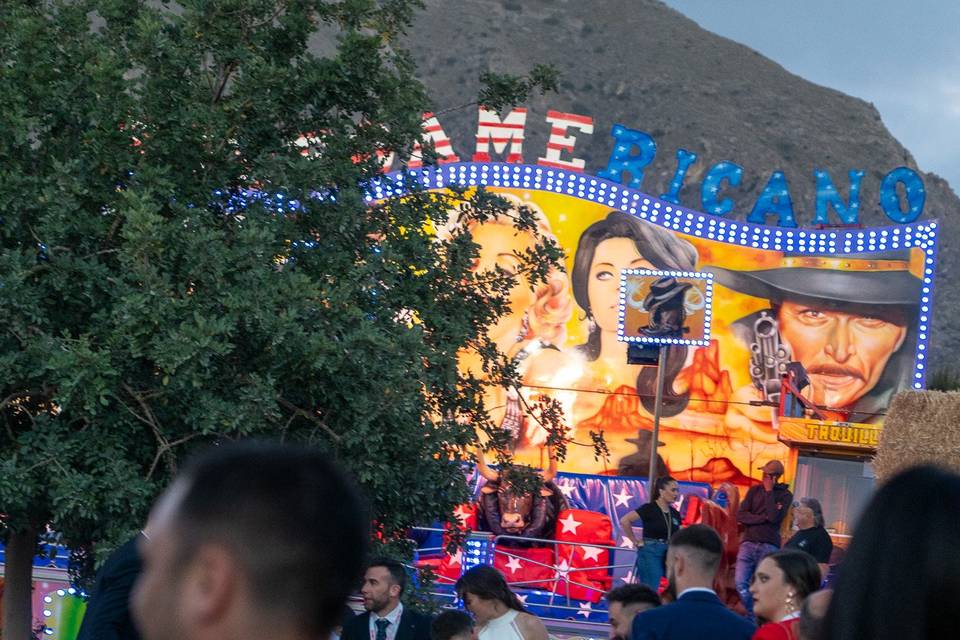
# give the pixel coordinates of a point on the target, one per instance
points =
(663, 250)
(486, 582)
(900, 579)
(659, 486)
(800, 571)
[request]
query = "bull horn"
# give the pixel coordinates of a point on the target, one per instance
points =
(484, 470)
(551, 471)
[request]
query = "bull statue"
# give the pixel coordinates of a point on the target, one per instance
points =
(503, 510)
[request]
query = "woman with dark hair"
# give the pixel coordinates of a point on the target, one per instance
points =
(498, 611)
(659, 521)
(900, 579)
(617, 242)
(779, 586)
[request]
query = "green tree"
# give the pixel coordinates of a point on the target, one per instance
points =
(174, 272)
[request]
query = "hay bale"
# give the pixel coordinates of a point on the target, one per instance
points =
(920, 427)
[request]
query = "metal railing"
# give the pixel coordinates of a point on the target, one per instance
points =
(560, 573)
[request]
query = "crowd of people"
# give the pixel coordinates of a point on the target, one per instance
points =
(231, 555)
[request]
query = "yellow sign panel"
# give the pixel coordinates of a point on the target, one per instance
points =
(844, 435)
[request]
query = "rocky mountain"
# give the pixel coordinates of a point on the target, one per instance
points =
(646, 66)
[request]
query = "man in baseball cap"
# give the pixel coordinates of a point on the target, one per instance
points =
(761, 513)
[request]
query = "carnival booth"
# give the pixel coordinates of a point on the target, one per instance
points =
(791, 349)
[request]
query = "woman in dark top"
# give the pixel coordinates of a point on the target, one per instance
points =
(659, 521)
(811, 536)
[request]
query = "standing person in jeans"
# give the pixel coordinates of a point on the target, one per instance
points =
(660, 521)
(761, 513)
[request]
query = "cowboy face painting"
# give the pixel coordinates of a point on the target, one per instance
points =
(843, 353)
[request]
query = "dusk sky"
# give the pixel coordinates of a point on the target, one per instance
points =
(903, 56)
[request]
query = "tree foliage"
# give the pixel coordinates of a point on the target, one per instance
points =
(175, 273)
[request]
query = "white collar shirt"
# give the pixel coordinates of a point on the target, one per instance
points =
(393, 617)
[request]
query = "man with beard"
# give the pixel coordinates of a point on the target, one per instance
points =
(692, 562)
(624, 603)
(846, 318)
(386, 618)
(242, 546)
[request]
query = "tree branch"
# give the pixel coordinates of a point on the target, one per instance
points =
(309, 416)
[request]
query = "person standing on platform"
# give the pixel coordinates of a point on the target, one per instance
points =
(697, 614)
(761, 512)
(386, 618)
(811, 536)
(659, 521)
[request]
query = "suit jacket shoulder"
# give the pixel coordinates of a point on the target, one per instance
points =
(413, 626)
(357, 628)
(696, 615)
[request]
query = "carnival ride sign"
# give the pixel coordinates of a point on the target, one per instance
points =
(634, 151)
(851, 305)
(829, 435)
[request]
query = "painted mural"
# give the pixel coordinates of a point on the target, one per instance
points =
(850, 319)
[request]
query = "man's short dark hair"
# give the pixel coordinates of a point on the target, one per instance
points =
(450, 623)
(397, 571)
(702, 544)
(292, 520)
(630, 594)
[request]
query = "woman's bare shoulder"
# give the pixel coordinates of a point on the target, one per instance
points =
(531, 627)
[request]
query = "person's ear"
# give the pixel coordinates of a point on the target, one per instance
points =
(211, 585)
(679, 563)
(394, 591)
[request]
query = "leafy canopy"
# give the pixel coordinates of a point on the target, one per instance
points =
(174, 272)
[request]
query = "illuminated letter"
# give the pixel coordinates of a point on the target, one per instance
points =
(560, 141)
(441, 143)
(622, 160)
(774, 199)
(827, 196)
(684, 160)
(491, 129)
(890, 201)
(712, 182)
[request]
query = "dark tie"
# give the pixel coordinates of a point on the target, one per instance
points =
(382, 625)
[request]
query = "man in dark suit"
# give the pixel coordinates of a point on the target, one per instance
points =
(692, 562)
(108, 611)
(386, 618)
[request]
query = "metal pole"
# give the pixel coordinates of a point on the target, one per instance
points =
(657, 407)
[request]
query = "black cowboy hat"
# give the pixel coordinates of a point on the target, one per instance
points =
(664, 289)
(643, 438)
(870, 279)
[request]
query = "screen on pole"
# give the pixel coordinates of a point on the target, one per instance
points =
(665, 307)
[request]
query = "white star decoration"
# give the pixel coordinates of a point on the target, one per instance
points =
(592, 553)
(627, 577)
(563, 569)
(585, 609)
(570, 524)
(623, 498)
(462, 513)
(523, 598)
(625, 543)
(513, 564)
(566, 490)
(457, 558)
